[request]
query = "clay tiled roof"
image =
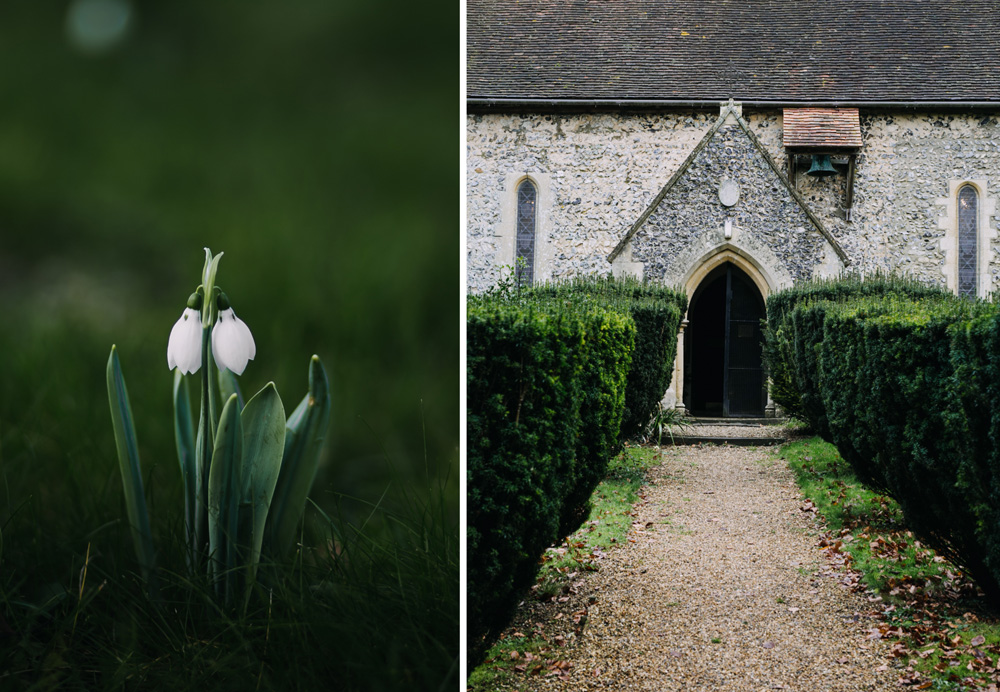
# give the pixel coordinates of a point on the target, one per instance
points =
(791, 51)
(822, 127)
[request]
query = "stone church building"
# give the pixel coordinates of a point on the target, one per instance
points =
(732, 149)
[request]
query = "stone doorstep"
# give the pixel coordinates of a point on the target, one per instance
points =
(700, 420)
(690, 435)
(729, 440)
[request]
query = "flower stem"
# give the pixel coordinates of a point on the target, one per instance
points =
(208, 418)
(206, 443)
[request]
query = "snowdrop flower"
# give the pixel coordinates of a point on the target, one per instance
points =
(232, 342)
(184, 345)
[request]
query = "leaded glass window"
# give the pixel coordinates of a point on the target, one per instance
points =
(968, 226)
(524, 255)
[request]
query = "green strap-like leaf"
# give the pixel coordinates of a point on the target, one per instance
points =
(184, 436)
(204, 444)
(263, 422)
(304, 436)
(224, 490)
(229, 385)
(131, 470)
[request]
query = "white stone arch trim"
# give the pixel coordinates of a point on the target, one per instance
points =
(507, 233)
(765, 278)
(985, 235)
(768, 276)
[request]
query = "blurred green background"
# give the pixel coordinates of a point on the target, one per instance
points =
(315, 144)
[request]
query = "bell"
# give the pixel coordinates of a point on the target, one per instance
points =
(821, 166)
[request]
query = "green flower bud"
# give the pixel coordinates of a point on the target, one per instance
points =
(195, 300)
(221, 300)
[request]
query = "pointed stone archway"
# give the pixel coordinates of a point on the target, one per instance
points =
(702, 374)
(766, 276)
(723, 368)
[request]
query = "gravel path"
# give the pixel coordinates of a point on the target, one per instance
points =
(720, 587)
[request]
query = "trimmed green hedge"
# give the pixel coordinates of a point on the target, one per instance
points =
(908, 388)
(610, 340)
(842, 382)
(786, 389)
(545, 395)
(657, 311)
(975, 359)
(912, 418)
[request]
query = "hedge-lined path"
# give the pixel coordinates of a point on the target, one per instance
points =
(720, 587)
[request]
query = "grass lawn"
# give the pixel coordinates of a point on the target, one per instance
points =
(943, 636)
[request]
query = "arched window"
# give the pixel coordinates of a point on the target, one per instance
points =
(524, 252)
(968, 240)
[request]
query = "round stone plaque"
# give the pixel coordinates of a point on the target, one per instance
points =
(729, 193)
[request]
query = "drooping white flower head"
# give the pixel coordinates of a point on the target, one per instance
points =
(232, 342)
(184, 345)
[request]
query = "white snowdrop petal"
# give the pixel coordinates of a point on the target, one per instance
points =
(247, 337)
(191, 349)
(173, 343)
(184, 344)
(229, 344)
(189, 360)
(219, 342)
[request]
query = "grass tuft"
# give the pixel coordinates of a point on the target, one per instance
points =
(356, 607)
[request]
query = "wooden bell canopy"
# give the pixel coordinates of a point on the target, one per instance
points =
(820, 139)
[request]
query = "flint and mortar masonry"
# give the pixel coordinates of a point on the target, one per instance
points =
(604, 170)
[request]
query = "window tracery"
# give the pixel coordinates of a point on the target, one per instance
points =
(524, 252)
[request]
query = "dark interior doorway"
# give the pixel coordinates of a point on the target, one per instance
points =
(723, 369)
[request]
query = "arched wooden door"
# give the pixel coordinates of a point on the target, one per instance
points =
(724, 371)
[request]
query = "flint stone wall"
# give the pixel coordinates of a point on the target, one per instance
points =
(691, 220)
(604, 170)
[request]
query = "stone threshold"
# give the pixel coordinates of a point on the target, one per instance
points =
(731, 429)
(679, 440)
(706, 420)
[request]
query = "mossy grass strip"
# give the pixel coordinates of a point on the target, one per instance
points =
(847, 505)
(939, 626)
